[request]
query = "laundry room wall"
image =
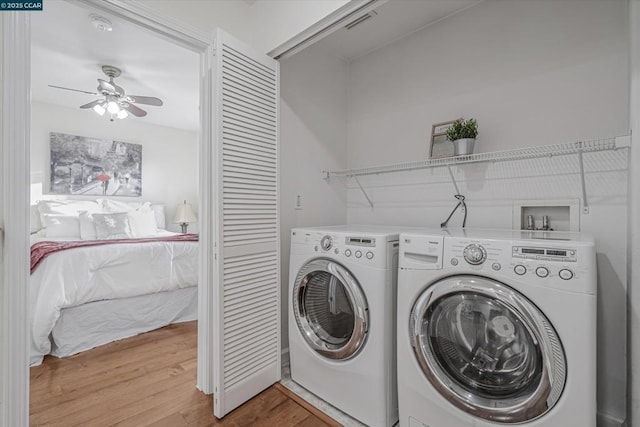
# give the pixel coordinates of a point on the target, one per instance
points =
(531, 73)
(313, 137)
(169, 155)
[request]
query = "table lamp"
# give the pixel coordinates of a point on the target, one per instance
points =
(184, 215)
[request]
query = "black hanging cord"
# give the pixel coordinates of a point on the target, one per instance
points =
(461, 202)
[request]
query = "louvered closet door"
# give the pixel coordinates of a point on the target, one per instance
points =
(248, 261)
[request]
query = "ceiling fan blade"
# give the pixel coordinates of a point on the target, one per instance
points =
(148, 100)
(75, 90)
(138, 112)
(105, 86)
(92, 103)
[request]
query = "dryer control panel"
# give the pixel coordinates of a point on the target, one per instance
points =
(364, 249)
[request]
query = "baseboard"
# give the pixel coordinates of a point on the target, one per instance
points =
(606, 420)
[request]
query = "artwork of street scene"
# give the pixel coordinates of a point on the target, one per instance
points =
(92, 166)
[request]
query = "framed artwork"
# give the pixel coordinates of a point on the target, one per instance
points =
(440, 146)
(82, 165)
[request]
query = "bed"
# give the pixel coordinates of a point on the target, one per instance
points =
(103, 271)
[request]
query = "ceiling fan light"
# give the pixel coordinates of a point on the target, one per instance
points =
(113, 107)
(122, 114)
(99, 108)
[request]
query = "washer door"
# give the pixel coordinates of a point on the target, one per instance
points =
(487, 349)
(330, 309)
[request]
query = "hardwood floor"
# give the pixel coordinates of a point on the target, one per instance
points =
(149, 380)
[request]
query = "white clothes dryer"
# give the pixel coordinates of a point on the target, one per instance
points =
(497, 328)
(342, 318)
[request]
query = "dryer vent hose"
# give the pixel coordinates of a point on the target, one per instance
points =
(461, 202)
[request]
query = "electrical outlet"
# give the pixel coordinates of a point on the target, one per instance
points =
(298, 202)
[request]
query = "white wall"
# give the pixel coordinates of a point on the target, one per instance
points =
(532, 73)
(264, 24)
(169, 155)
(313, 137)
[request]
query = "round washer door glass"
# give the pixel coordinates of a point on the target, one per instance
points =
(330, 309)
(487, 349)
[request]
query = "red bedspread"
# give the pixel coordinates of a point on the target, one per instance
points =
(41, 250)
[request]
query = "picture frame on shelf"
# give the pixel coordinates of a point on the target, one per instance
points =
(440, 147)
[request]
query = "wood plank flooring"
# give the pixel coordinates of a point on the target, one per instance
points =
(147, 380)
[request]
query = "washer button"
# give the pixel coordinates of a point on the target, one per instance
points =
(496, 266)
(369, 255)
(454, 261)
(358, 254)
(566, 274)
(542, 271)
(347, 252)
(520, 269)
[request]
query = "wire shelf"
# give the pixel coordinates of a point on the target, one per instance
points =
(563, 149)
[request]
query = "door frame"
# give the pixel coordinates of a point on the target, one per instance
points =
(16, 102)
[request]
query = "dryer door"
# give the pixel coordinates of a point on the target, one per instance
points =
(330, 309)
(487, 349)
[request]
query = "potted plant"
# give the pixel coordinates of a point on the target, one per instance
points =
(463, 135)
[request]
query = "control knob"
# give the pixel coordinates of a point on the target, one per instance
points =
(475, 254)
(326, 243)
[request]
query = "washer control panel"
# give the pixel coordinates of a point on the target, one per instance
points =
(557, 264)
(545, 254)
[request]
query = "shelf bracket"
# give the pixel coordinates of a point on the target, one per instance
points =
(453, 180)
(585, 201)
(363, 191)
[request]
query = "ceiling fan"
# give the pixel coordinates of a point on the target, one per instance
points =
(116, 102)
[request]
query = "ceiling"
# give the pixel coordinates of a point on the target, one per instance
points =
(394, 19)
(68, 51)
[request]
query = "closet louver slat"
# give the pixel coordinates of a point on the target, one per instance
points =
(248, 238)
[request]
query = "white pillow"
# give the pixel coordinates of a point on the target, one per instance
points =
(61, 226)
(66, 207)
(112, 225)
(142, 222)
(109, 205)
(87, 227)
(159, 212)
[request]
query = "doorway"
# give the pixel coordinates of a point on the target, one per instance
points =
(16, 31)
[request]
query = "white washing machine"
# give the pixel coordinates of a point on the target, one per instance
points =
(342, 318)
(497, 328)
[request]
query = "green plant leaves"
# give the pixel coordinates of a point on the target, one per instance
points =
(462, 128)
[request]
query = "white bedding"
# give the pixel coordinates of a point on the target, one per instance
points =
(97, 323)
(77, 276)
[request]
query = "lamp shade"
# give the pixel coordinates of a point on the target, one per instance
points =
(185, 214)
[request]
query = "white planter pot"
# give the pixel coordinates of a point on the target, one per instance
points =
(463, 146)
